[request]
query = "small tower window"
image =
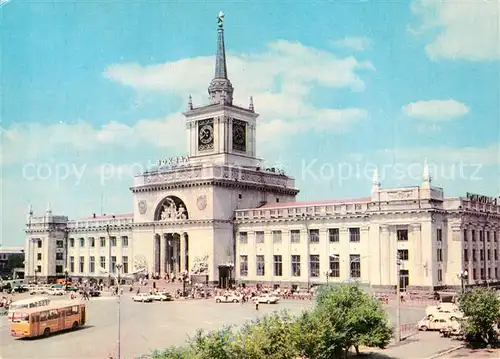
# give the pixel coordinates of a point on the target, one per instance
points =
(277, 200)
(240, 196)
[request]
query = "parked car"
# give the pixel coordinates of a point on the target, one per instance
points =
(56, 291)
(143, 297)
(447, 310)
(230, 298)
(94, 293)
(162, 296)
(38, 290)
(432, 323)
(267, 298)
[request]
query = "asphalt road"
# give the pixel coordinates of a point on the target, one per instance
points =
(146, 326)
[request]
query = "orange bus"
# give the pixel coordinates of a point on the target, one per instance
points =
(58, 316)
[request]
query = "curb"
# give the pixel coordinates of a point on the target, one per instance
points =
(447, 351)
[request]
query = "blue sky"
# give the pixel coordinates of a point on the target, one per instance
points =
(93, 91)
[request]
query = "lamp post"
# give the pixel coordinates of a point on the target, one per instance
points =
(463, 276)
(66, 279)
(328, 274)
(118, 310)
(398, 299)
(230, 266)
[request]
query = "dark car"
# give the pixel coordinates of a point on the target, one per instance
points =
(94, 293)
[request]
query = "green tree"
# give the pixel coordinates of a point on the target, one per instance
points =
(15, 261)
(353, 317)
(272, 337)
(481, 308)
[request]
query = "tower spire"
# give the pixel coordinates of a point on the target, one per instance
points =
(221, 89)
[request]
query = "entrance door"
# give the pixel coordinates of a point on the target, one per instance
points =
(223, 277)
(36, 326)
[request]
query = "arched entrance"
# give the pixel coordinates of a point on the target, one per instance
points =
(171, 253)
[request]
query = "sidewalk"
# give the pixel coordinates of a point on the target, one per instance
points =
(423, 345)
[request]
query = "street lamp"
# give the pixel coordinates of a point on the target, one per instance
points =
(118, 295)
(230, 266)
(398, 298)
(328, 274)
(66, 278)
(463, 275)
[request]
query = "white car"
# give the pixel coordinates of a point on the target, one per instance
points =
(230, 298)
(162, 297)
(56, 291)
(38, 290)
(267, 298)
(143, 297)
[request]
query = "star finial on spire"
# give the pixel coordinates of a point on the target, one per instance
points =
(190, 103)
(427, 175)
(250, 105)
(376, 178)
(220, 19)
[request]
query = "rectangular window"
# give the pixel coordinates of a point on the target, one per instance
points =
(488, 238)
(243, 237)
(354, 235)
(495, 254)
(276, 237)
(474, 274)
(295, 266)
(489, 273)
(82, 242)
(333, 234)
(92, 242)
(496, 273)
(59, 269)
(334, 266)
(355, 265)
(481, 236)
(402, 234)
(125, 264)
(103, 241)
(112, 241)
(482, 273)
(124, 241)
(39, 243)
(474, 257)
(314, 265)
(39, 256)
(439, 255)
(295, 236)
(102, 262)
(92, 264)
(59, 256)
(465, 235)
(440, 275)
(495, 236)
(259, 237)
(71, 242)
(113, 264)
(314, 236)
(261, 265)
(278, 266)
(489, 255)
(481, 255)
(466, 255)
(38, 269)
(403, 254)
(72, 264)
(439, 234)
(243, 266)
(59, 244)
(473, 235)
(82, 264)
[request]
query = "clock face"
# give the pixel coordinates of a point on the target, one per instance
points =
(239, 135)
(206, 135)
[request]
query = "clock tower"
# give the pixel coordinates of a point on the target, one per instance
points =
(220, 132)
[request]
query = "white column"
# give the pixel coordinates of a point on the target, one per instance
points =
(163, 247)
(417, 270)
(385, 250)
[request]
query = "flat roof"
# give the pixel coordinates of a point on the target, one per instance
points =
(312, 203)
(54, 305)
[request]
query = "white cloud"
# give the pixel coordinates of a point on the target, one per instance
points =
(436, 110)
(464, 30)
(488, 155)
(280, 79)
(354, 43)
(31, 141)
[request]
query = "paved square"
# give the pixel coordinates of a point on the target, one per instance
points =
(146, 326)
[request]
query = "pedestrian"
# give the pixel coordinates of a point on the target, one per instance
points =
(256, 301)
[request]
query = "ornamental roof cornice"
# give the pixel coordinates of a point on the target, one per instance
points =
(214, 108)
(181, 225)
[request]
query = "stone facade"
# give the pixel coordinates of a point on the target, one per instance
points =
(219, 206)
